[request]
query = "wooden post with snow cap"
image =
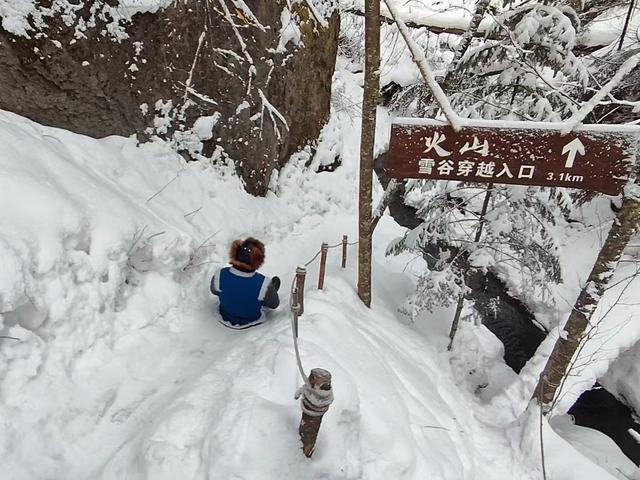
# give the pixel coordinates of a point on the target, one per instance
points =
(295, 311)
(323, 264)
(316, 395)
(345, 244)
(301, 274)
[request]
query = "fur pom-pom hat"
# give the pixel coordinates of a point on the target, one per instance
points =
(247, 254)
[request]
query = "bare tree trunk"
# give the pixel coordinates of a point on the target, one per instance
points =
(369, 107)
(557, 366)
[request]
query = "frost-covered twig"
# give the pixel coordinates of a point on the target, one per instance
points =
(540, 425)
(319, 18)
(189, 267)
(467, 37)
(154, 236)
(193, 65)
(205, 241)
(163, 188)
(136, 238)
(194, 255)
(421, 61)
(273, 113)
(384, 202)
(635, 435)
(243, 45)
(632, 6)
(524, 63)
(202, 96)
(227, 52)
(193, 212)
(240, 5)
(524, 117)
(478, 235)
(576, 119)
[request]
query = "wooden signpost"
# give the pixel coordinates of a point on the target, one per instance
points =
(598, 158)
(594, 157)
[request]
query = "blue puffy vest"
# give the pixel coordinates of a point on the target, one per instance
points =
(241, 295)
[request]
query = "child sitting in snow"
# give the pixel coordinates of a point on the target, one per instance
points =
(241, 289)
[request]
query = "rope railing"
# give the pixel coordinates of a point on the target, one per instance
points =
(315, 394)
(296, 298)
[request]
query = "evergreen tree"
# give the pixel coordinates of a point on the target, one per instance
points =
(530, 73)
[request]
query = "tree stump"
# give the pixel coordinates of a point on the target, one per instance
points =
(315, 402)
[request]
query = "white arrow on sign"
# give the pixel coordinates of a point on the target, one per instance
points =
(572, 148)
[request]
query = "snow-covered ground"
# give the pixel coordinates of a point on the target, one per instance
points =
(121, 370)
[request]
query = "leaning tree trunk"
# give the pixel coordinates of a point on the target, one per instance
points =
(558, 364)
(368, 135)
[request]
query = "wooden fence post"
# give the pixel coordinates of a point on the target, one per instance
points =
(295, 310)
(345, 244)
(315, 402)
(301, 273)
(323, 264)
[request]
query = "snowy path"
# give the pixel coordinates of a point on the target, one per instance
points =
(222, 403)
(123, 372)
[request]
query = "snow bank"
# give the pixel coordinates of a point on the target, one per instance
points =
(607, 28)
(102, 246)
(623, 376)
(21, 17)
(122, 370)
(451, 14)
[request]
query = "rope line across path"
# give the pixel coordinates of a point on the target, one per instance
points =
(294, 305)
(328, 247)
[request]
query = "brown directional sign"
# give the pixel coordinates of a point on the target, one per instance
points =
(593, 157)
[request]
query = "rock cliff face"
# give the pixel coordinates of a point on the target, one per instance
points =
(258, 72)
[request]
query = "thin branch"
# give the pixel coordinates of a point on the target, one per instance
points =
(314, 11)
(193, 65)
(163, 188)
(577, 118)
(189, 267)
(632, 5)
(154, 235)
(465, 42)
(418, 56)
(243, 45)
(193, 212)
(544, 467)
(392, 187)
